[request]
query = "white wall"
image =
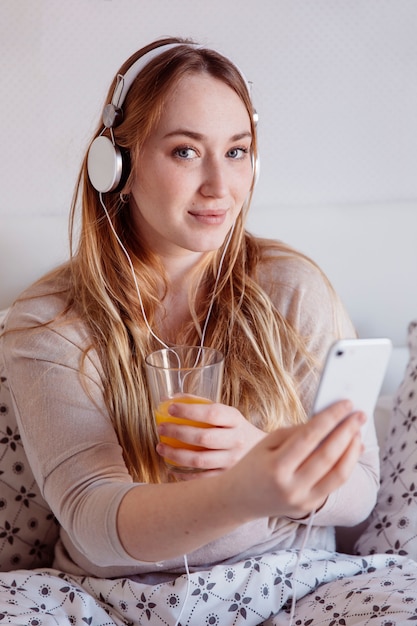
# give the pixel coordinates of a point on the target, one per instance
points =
(334, 81)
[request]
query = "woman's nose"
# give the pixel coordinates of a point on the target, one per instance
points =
(214, 180)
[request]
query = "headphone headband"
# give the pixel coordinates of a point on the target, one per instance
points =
(112, 111)
(126, 80)
(105, 166)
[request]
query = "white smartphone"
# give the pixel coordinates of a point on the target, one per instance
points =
(354, 370)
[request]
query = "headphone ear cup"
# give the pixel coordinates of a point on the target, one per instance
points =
(256, 166)
(107, 165)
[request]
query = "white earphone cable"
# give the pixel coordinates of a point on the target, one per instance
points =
(132, 269)
(148, 326)
(142, 308)
(297, 564)
(203, 333)
(187, 591)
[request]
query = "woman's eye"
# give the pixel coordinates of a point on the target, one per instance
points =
(237, 153)
(185, 153)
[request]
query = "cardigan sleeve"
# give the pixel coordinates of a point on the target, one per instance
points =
(67, 433)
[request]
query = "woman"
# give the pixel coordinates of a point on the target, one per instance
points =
(163, 258)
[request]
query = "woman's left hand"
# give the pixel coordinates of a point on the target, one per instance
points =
(228, 439)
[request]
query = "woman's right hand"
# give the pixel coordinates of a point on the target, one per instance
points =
(292, 471)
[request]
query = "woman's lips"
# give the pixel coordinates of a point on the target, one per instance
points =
(209, 217)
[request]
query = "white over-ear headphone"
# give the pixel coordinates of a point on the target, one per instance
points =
(107, 164)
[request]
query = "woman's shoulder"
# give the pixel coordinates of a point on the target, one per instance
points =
(280, 264)
(43, 325)
(41, 302)
(300, 290)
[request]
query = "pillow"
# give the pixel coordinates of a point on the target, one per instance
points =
(393, 523)
(28, 529)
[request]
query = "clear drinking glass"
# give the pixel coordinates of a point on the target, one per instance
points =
(183, 374)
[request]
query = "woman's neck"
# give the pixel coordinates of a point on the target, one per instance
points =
(175, 311)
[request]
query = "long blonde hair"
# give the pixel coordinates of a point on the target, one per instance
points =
(258, 343)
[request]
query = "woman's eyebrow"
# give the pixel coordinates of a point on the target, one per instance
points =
(200, 137)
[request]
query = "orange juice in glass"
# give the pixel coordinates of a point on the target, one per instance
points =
(184, 375)
(162, 415)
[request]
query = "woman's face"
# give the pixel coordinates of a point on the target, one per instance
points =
(194, 171)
